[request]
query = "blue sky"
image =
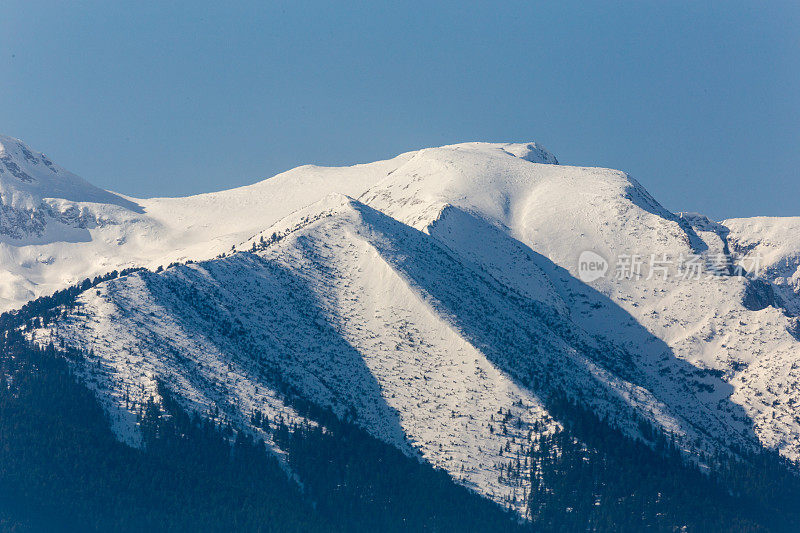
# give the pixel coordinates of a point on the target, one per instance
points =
(699, 101)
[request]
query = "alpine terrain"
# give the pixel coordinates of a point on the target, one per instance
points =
(470, 337)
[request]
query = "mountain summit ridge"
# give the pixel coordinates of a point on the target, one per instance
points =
(56, 228)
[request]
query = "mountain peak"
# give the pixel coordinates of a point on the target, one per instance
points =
(16, 157)
(531, 151)
(28, 178)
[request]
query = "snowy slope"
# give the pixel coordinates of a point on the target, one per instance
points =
(774, 244)
(56, 229)
(720, 323)
(429, 297)
(375, 320)
(296, 315)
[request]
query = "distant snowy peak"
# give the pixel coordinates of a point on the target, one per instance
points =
(34, 190)
(30, 173)
(13, 152)
(529, 151)
(533, 152)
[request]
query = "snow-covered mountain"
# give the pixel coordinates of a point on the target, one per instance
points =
(57, 229)
(434, 298)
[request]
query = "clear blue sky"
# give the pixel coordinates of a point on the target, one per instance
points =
(699, 101)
